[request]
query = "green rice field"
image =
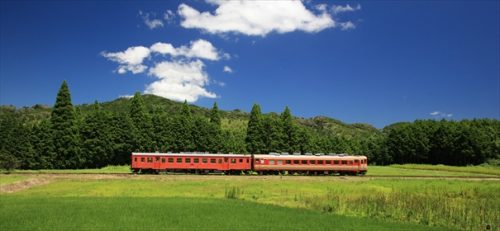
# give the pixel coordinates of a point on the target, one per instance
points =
(217, 202)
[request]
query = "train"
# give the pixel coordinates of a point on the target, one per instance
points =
(262, 164)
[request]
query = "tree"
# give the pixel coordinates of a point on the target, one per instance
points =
(273, 133)
(183, 130)
(142, 122)
(16, 150)
(43, 147)
(215, 130)
(65, 135)
(123, 138)
(255, 132)
(290, 138)
(96, 145)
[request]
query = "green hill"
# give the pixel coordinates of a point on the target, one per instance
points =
(232, 120)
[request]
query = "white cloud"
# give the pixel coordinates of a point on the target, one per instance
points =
(179, 81)
(347, 25)
(440, 114)
(346, 8)
(169, 16)
(130, 59)
(126, 96)
(179, 72)
(197, 49)
(434, 113)
(255, 18)
(151, 23)
(227, 69)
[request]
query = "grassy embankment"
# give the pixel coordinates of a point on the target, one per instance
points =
(312, 202)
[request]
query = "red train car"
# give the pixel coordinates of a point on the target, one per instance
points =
(310, 164)
(190, 162)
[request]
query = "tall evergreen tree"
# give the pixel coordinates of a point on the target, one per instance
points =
(96, 145)
(214, 131)
(65, 135)
(142, 122)
(183, 130)
(255, 132)
(42, 145)
(273, 133)
(16, 150)
(123, 138)
(290, 132)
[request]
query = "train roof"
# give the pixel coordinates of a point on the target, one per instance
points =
(308, 157)
(262, 156)
(196, 154)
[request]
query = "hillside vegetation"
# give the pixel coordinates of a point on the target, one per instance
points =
(100, 134)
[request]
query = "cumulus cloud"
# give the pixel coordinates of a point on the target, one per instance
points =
(440, 114)
(179, 73)
(227, 69)
(197, 49)
(150, 23)
(256, 18)
(130, 59)
(179, 80)
(346, 8)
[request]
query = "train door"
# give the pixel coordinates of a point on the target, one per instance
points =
(156, 162)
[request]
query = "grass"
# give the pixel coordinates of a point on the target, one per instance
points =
(491, 170)
(106, 170)
(419, 170)
(458, 204)
(9, 179)
(392, 170)
(139, 213)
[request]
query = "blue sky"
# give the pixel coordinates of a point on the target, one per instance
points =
(376, 62)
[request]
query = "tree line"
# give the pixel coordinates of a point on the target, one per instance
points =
(68, 139)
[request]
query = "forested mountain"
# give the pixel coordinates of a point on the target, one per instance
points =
(95, 135)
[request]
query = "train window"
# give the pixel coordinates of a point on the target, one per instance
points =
(212, 161)
(350, 162)
(142, 159)
(135, 159)
(157, 159)
(288, 161)
(248, 161)
(241, 160)
(335, 162)
(163, 160)
(257, 160)
(304, 161)
(271, 161)
(150, 159)
(170, 160)
(356, 161)
(220, 161)
(204, 160)
(233, 161)
(179, 160)
(188, 160)
(328, 162)
(320, 161)
(312, 162)
(295, 161)
(196, 160)
(344, 162)
(280, 162)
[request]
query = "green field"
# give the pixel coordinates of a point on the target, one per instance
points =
(171, 213)
(392, 170)
(292, 202)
